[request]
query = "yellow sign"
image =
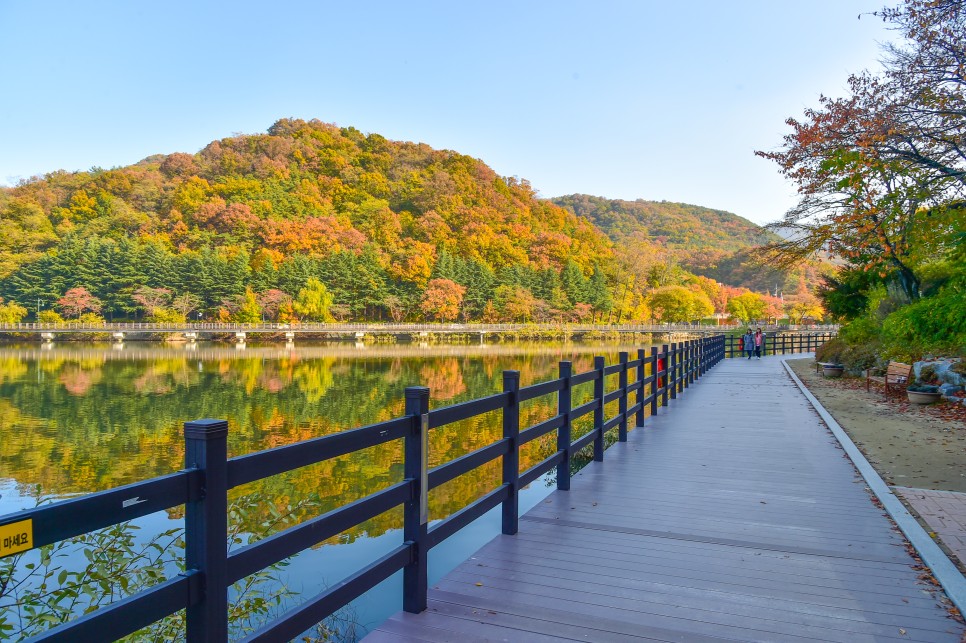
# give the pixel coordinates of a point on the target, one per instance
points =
(16, 537)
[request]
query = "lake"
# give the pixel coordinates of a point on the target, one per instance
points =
(77, 418)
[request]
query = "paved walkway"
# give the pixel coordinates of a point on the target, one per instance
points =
(735, 515)
(944, 512)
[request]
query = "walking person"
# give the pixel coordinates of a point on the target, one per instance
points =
(748, 340)
(759, 342)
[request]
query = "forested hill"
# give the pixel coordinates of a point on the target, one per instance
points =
(369, 217)
(708, 242)
(313, 221)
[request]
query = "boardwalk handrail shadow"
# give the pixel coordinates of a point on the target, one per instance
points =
(203, 485)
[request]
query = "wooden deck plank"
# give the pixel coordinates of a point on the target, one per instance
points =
(765, 585)
(841, 614)
(449, 629)
(718, 520)
(557, 622)
(742, 564)
(600, 597)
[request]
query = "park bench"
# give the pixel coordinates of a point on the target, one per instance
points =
(896, 374)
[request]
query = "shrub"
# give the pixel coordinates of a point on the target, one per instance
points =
(859, 357)
(167, 316)
(50, 317)
(831, 351)
(860, 330)
(11, 312)
(91, 319)
(854, 357)
(935, 324)
(928, 374)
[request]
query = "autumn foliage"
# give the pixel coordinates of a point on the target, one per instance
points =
(881, 174)
(311, 221)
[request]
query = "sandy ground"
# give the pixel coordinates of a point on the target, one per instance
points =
(909, 445)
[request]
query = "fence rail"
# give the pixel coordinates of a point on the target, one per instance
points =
(779, 343)
(202, 486)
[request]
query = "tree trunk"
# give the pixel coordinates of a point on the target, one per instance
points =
(908, 282)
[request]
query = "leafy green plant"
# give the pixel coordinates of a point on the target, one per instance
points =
(42, 589)
(934, 324)
(831, 351)
(45, 588)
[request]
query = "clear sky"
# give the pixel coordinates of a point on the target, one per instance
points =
(659, 100)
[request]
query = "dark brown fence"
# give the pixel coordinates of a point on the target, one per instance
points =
(651, 378)
(779, 343)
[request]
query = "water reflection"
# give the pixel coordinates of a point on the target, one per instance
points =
(77, 418)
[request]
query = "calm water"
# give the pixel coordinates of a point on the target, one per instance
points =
(78, 418)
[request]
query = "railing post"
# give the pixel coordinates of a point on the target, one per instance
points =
(699, 357)
(511, 461)
(685, 364)
(416, 511)
(703, 356)
(692, 359)
(563, 434)
(599, 411)
(672, 368)
(666, 381)
(206, 530)
(622, 400)
(654, 387)
(639, 421)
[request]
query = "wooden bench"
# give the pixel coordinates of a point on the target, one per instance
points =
(896, 374)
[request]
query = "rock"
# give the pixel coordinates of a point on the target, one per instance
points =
(941, 369)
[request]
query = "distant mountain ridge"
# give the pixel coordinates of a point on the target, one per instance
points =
(706, 241)
(677, 225)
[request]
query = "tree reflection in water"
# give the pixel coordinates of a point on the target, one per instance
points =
(80, 418)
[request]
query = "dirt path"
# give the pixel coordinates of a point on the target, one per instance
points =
(909, 445)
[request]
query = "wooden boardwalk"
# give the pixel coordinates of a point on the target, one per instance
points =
(733, 516)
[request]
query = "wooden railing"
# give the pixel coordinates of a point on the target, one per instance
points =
(203, 485)
(780, 343)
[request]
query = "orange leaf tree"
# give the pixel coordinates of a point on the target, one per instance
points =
(442, 299)
(873, 167)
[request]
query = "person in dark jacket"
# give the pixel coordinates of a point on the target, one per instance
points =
(748, 340)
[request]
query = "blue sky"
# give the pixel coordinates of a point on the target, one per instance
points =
(650, 99)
